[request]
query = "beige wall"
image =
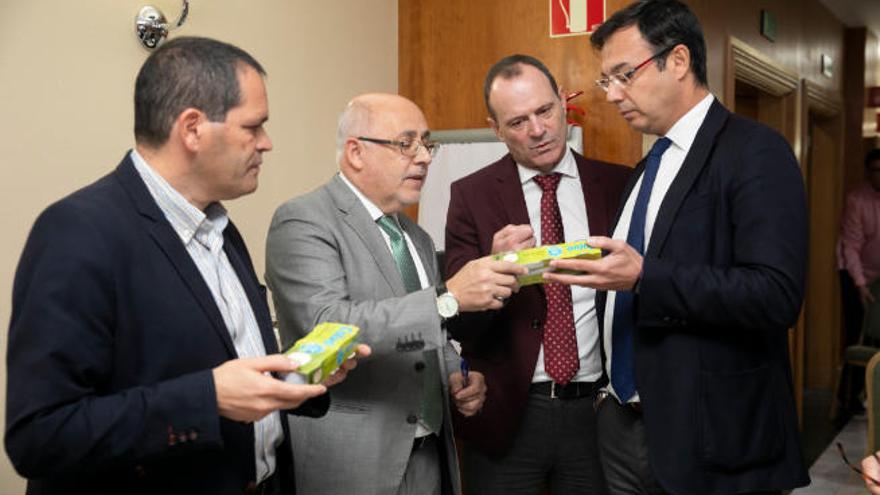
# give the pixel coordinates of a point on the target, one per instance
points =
(67, 92)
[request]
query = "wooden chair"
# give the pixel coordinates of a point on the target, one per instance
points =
(860, 354)
(872, 385)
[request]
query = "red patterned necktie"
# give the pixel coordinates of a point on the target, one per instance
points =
(560, 344)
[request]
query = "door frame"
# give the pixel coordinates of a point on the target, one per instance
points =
(826, 105)
(745, 63)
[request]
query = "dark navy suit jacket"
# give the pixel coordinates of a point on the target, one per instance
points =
(723, 281)
(504, 344)
(112, 340)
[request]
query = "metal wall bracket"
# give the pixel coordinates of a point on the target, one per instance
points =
(152, 27)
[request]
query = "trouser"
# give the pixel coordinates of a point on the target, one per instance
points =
(554, 447)
(853, 313)
(422, 475)
(624, 450)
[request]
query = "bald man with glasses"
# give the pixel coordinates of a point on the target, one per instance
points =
(345, 252)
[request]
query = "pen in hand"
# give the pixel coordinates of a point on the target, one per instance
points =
(464, 372)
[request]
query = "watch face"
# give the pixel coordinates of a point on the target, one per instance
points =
(447, 306)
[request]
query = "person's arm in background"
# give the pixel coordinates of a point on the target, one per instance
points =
(852, 237)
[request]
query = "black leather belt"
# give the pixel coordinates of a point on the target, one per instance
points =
(420, 442)
(571, 390)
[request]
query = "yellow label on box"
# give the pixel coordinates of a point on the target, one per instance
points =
(321, 352)
(537, 259)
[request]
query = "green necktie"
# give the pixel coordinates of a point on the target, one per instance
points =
(400, 252)
(432, 408)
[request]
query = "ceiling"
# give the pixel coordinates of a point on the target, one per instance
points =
(856, 13)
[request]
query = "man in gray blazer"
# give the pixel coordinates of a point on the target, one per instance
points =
(344, 253)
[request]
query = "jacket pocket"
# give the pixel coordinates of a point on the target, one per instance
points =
(740, 422)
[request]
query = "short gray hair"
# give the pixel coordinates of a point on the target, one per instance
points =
(353, 121)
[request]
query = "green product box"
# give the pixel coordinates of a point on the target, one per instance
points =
(321, 352)
(537, 259)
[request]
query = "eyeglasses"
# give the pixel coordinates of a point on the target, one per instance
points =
(409, 147)
(625, 78)
(855, 468)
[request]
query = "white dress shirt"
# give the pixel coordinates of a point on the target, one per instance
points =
(682, 135)
(572, 207)
(202, 235)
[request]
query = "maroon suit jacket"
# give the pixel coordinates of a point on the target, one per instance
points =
(504, 344)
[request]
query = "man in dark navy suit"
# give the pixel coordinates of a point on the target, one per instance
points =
(704, 275)
(141, 349)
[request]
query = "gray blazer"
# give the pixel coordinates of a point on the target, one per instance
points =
(327, 261)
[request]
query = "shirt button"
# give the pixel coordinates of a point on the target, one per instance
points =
(412, 419)
(419, 366)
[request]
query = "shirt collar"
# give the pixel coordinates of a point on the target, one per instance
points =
(567, 167)
(184, 217)
(683, 132)
(374, 211)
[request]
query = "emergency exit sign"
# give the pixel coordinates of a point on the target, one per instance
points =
(575, 17)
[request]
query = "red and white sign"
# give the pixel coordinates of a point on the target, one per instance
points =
(575, 17)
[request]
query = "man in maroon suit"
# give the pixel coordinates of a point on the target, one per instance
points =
(540, 353)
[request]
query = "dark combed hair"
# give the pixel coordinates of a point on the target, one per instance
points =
(872, 156)
(187, 72)
(664, 24)
(510, 67)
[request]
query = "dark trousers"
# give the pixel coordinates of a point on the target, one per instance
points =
(853, 313)
(852, 308)
(624, 451)
(554, 447)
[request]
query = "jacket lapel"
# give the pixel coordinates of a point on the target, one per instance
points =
(235, 248)
(168, 241)
(690, 170)
(510, 193)
(595, 198)
(357, 217)
(424, 247)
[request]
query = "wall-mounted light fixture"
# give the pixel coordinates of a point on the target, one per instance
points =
(152, 27)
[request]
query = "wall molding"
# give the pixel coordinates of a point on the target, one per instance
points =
(821, 101)
(756, 69)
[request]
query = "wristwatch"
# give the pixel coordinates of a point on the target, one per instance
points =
(447, 304)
